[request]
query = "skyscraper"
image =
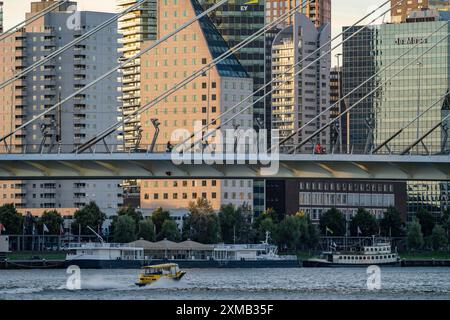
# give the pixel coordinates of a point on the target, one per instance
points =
(401, 12)
(339, 133)
(236, 21)
(203, 100)
(300, 96)
(72, 123)
(318, 11)
(135, 27)
(406, 95)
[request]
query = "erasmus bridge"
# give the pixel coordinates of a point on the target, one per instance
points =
(95, 159)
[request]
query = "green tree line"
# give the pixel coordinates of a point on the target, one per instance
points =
(236, 225)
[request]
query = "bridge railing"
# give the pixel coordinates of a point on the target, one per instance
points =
(317, 149)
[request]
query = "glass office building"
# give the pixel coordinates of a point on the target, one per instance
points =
(236, 21)
(407, 87)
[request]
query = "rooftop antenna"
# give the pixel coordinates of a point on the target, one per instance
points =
(98, 236)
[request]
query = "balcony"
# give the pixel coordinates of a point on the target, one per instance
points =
(79, 97)
(79, 58)
(79, 47)
(130, 88)
(79, 107)
(79, 77)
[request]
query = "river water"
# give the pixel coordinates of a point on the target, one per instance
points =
(218, 284)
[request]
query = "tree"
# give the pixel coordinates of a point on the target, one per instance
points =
(270, 212)
(202, 223)
(53, 220)
(439, 237)
(414, 237)
(169, 231)
(158, 218)
(366, 222)
(447, 227)
(11, 219)
(334, 220)
(314, 235)
(297, 232)
(426, 220)
(392, 224)
(445, 217)
(124, 229)
(91, 216)
(262, 225)
(229, 219)
(133, 213)
(146, 230)
(29, 223)
(234, 224)
(289, 233)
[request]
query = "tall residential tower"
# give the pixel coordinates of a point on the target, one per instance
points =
(200, 101)
(135, 27)
(75, 121)
(300, 96)
(318, 11)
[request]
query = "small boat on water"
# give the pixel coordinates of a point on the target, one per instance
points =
(151, 274)
(378, 253)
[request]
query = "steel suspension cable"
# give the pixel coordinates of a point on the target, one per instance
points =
(31, 19)
(112, 71)
(187, 80)
(70, 44)
(358, 87)
(415, 143)
(286, 80)
(367, 95)
(398, 132)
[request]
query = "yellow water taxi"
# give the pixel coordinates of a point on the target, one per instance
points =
(151, 274)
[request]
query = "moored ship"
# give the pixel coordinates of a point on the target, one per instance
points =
(377, 253)
(187, 254)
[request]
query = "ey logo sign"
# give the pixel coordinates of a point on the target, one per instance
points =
(246, 4)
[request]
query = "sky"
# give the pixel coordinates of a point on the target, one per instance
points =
(344, 12)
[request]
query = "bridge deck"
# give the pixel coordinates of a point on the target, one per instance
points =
(157, 166)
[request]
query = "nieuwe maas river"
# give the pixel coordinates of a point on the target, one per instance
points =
(301, 283)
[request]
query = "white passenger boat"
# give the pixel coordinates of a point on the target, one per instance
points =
(104, 256)
(378, 253)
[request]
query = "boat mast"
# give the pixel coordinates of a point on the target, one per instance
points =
(98, 236)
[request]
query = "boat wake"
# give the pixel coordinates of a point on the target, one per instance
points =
(165, 283)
